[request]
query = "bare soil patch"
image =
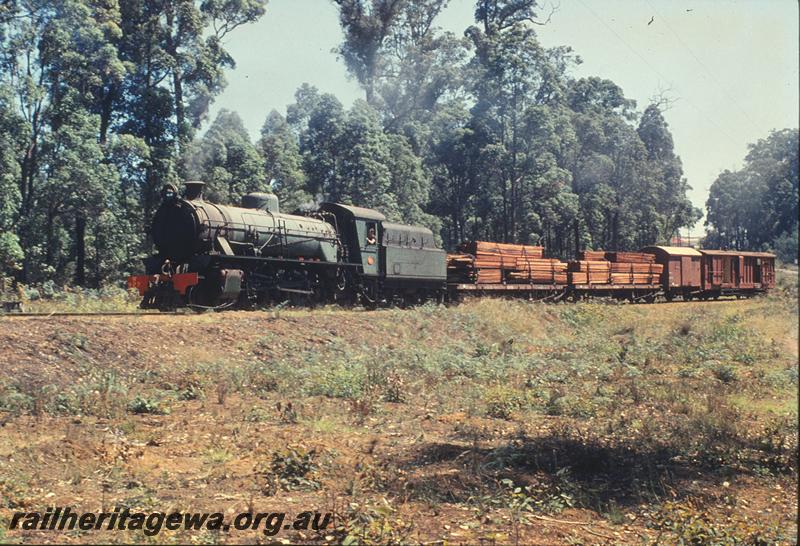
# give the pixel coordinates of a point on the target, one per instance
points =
(503, 421)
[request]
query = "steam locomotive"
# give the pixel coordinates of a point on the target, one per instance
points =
(215, 256)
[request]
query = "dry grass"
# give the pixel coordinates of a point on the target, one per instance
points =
(492, 419)
(53, 299)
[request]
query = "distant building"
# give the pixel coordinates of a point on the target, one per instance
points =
(683, 240)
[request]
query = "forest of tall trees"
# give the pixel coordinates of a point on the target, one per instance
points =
(480, 135)
(757, 206)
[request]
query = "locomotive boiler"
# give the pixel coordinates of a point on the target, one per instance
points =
(183, 228)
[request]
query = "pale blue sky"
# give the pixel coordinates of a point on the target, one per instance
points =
(732, 65)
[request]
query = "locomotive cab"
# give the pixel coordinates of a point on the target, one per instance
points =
(397, 261)
(360, 229)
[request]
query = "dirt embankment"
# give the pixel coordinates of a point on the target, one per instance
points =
(504, 421)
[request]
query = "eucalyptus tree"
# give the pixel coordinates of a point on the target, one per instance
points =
(774, 160)
(367, 26)
(89, 76)
(227, 160)
(757, 206)
(58, 56)
(518, 87)
(12, 143)
(280, 153)
(670, 208)
(318, 120)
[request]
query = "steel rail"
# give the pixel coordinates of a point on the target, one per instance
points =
(95, 314)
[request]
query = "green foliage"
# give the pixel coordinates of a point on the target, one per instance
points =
(757, 206)
(91, 131)
(785, 245)
(48, 298)
(193, 390)
(540, 157)
(11, 253)
(685, 523)
(11, 142)
(13, 399)
(280, 153)
(347, 156)
(502, 401)
(227, 161)
(341, 380)
(256, 415)
(550, 498)
(292, 468)
(142, 404)
(364, 176)
(372, 524)
(483, 134)
(725, 373)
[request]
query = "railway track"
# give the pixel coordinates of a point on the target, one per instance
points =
(343, 309)
(93, 314)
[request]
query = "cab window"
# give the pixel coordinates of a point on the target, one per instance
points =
(372, 234)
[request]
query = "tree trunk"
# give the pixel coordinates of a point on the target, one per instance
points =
(180, 115)
(577, 233)
(29, 165)
(148, 203)
(369, 91)
(80, 249)
(48, 253)
(177, 84)
(515, 205)
(107, 107)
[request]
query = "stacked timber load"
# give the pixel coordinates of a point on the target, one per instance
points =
(635, 273)
(483, 262)
(499, 255)
(591, 255)
(600, 267)
(630, 257)
(461, 267)
(539, 271)
(589, 272)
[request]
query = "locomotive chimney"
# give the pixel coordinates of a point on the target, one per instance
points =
(194, 190)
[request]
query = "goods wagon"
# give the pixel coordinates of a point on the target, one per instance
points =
(733, 272)
(681, 274)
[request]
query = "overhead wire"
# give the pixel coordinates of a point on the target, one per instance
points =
(708, 72)
(658, 73)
